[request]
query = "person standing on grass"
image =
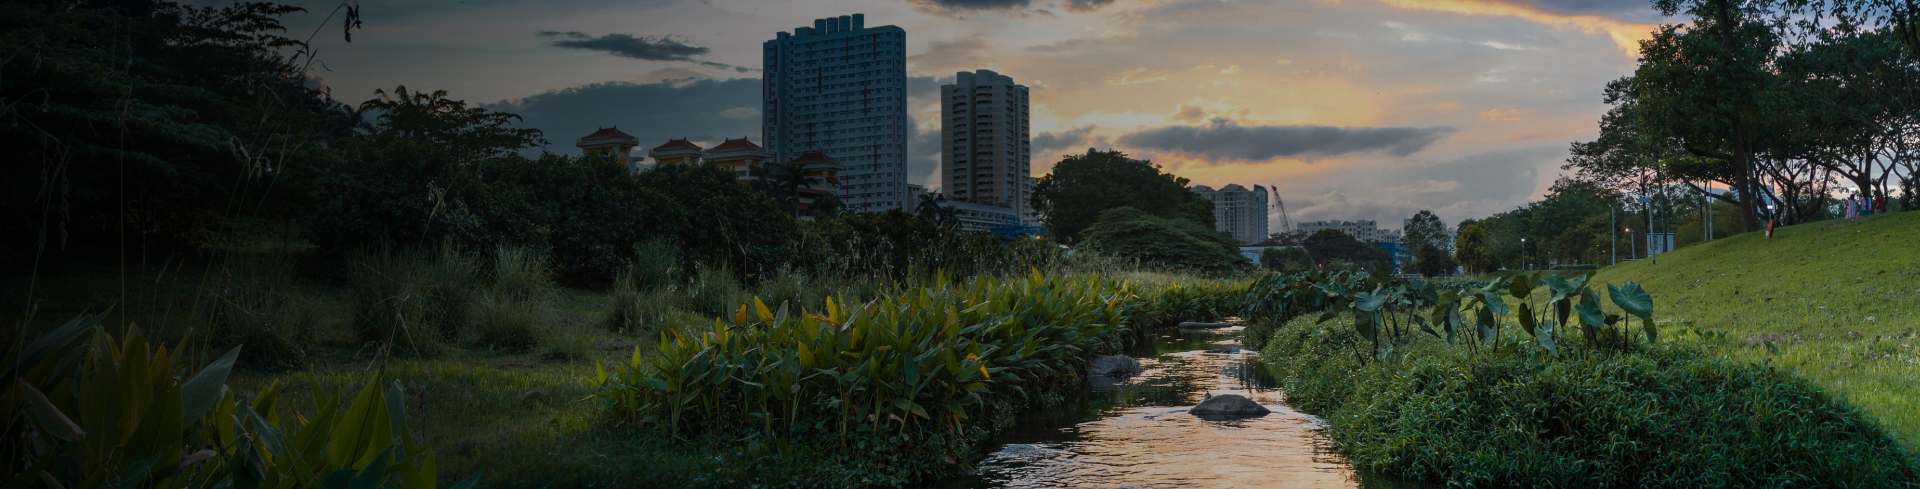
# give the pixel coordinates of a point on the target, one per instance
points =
(1850, 207)
(1880, 202)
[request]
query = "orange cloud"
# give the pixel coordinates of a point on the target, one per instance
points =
(1501, 115)
(1189, 113)
(1626, 35)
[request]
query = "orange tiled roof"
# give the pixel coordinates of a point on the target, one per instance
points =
(812, 157)
(608, 133)
(735, 145)
(677, 144)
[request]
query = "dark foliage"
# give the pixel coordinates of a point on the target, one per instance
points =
(1289, 259)
(1082, 186)
(1176, 243)
(1327, 245)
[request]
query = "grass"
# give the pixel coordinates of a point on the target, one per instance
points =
(1671, 415)
(1839, 300)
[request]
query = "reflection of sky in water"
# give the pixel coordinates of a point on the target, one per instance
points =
(1137, 433)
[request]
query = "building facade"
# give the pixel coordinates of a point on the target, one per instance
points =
(1238, 211)
(985, 154)
(1368, 231)
(613, 142)
(981, 217)
(840, 88)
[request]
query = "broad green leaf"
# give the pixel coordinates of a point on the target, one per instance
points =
(49, 343)
(197, 396)
(1632, 299)
(1527, 322)
(1521, 287)
(1495, 304)
(1364, 323)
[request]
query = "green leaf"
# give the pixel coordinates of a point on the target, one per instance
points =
(1486, 325)
(1772, 349)
(1370, 301)
(1632, 299)
(1521, 287)
(1495, 304)
(469, 482)
(1527, 322)
(49, 343)
(207, 387)
(51, 419)
(1364, 323)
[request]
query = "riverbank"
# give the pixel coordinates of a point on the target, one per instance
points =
(1666, 415)
(1838, 301)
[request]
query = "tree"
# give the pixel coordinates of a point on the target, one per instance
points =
(1327, 245)
(1177, 243)
(1470, 248)
(1288, 259)
(1431, 261)
(1424, 229)
(1081, 187)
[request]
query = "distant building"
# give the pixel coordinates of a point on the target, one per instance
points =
(748, 162)
(1238, 211)
(985, 153)
(981, 217)
(612, 141)
(840, 88)
(1368, 230)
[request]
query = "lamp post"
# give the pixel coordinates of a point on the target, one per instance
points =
(1630, 252)
(1523, 254)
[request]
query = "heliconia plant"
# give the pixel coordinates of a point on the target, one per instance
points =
(123, 414)
(924, 362)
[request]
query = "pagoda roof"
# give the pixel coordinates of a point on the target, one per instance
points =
(608, 133)
(735, 145)
(681, 143)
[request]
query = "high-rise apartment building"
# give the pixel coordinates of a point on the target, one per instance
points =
(985, 154)
(840, 88)
(1238, 211)
(1365, 230)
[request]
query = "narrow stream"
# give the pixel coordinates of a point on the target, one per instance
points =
(1138, 434)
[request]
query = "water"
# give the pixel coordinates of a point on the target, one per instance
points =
(1137, 433)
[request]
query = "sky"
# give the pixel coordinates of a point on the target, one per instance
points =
(1351, 109)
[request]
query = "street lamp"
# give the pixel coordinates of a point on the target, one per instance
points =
(1523, 253)
(1631, 254)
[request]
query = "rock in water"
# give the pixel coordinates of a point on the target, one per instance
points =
(1113, 365)
(1230, 349)
(1229, 405)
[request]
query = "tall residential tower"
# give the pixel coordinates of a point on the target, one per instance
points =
(985, 151)
(1238, 211)
(840, 88)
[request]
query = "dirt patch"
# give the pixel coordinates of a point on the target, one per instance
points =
(1776, 338)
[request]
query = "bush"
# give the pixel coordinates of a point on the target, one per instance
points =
(502, 321)
(715, 293)
(653, 264)
(1648, 416)
(252, 302)
(413, 300)
(1178, 244)
(1286, 260)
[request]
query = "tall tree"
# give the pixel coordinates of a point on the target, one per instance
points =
(1470, 248)
(1424, 229)
(1082, 186)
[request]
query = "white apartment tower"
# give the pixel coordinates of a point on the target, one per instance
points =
(840, 88)
(985, 150)
(1238, 211)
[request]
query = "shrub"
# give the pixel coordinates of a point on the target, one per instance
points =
(715, 292)
(501, 321)
(413, 300)
(1647, 416)
(252, 302)
(1173, 243)
(653, 264)
(521, 274)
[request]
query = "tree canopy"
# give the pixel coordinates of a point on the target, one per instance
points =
(1327, 245)
(1176, 243)
(1081, 187)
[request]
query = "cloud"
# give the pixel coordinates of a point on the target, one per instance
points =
(704, 110)
(956, 7)
(647, 48)
(1127, 77)
(1071, 139)
(1189, 113)
(1226, 140)
(1501, 115)
(958, 54)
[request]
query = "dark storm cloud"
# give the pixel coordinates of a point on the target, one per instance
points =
(1048, 143)
(648, 48)
(1225, 140)
(704, 110)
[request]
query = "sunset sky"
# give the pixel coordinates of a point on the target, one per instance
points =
(1353, 109)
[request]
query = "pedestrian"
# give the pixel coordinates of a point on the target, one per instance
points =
(1880, 202)
(1853, 208)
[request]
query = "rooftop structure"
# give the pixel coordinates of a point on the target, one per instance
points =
(611, 141)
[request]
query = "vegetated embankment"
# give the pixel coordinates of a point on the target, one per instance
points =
(1839, 302)
(1535, 389)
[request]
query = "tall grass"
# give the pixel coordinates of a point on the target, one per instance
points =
(253, 302)
(415, 302)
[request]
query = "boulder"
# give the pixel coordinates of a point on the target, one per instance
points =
(1230, 349)
(1228, 406)
(1112, 365)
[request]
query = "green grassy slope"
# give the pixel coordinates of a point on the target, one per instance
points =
(1840, 300)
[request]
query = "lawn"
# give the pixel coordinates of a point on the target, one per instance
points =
(1838, 300)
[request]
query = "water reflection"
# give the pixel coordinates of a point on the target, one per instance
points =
(1137, 433)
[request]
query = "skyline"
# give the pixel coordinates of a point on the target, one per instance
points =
(1352, 110)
